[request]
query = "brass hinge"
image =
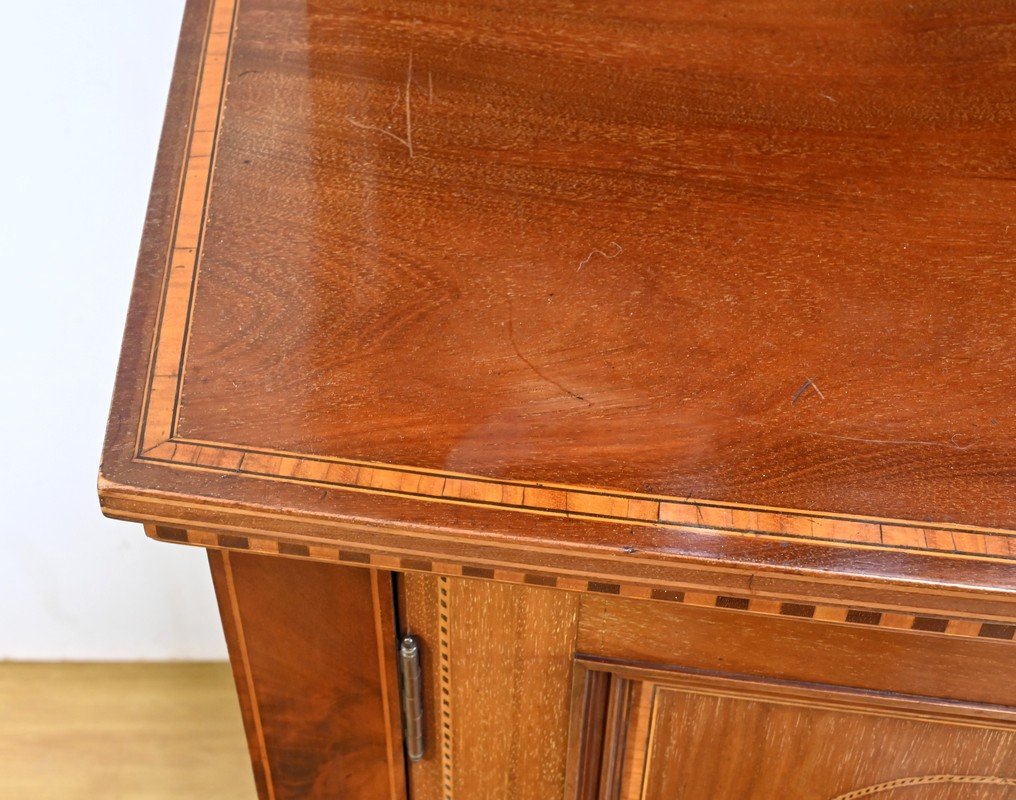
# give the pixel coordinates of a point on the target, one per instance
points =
(412, 696)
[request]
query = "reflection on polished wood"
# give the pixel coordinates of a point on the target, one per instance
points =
(755, 308)
(103, 731)
(677, 335)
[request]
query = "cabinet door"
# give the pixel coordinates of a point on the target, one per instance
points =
(497, 661)
(668, 734)
(536, 694)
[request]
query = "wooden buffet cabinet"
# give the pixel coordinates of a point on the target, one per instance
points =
(650, 364)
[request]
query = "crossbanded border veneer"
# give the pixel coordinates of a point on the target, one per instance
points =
(669, 332)
(157, 453)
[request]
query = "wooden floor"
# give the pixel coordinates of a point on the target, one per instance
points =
(98, 731)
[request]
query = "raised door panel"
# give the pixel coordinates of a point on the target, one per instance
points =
(681, 735)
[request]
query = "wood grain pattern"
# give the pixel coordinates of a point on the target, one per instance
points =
(741, 739)
(787, 291)
(307, 643)
(510, 650)
(771, 744)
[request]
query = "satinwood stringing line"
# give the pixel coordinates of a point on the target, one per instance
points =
(160, 413)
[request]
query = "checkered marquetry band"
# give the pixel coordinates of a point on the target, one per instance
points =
(845, 615)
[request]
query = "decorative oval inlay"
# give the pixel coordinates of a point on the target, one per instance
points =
(924, 780)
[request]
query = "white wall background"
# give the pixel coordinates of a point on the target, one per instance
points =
(84, 86)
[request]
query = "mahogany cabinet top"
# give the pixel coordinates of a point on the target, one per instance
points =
(727, 280)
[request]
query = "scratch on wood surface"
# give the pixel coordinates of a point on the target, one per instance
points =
(383, 131)
(397, 101)
(951, 443)
(430, 86)
(808, 384)
(531, 365)
(406, 142)
(617, 251)
(409, 106)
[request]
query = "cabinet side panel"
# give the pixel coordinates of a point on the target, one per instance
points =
(306, 641)
(228, 612)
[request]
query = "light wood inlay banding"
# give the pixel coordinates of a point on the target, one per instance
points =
(248, 676)
(445, 656)
(915, 623)
(926, 780)
(158, 440)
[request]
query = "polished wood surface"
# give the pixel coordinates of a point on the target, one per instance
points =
(773, 278)
(733, 285)
(312, 648)
(111, 731)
